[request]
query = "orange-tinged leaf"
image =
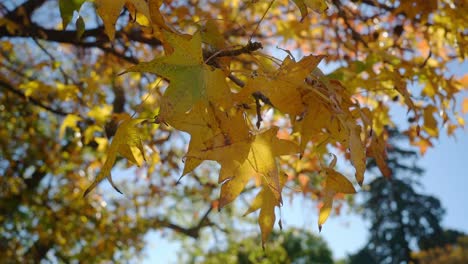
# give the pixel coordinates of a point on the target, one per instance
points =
(377, 151)
(284, 88)
(109, 11)
(127, 143)
(400, 86)
(465, 106)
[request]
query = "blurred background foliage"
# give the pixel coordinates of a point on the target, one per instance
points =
(60, 99)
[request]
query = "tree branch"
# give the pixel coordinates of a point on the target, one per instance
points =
(193, 232)
(34, 101)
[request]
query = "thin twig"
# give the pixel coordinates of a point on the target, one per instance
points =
(52, 58)
(236, 80)
(426, 60)
(259, 22)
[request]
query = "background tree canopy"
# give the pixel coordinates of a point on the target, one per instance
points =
(186, 87)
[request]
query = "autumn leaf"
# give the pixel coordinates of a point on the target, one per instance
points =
(109, 11)
(357, 150)
(377, 151)
(191, 80)
(157, 19)
(266, 201)
(209, 127)
(127, 143)
(465, 106)
(252, 158)
(284, 87)
(316, 117)
(335, 182)
(70, 121)
(430, 123)
(67, 7)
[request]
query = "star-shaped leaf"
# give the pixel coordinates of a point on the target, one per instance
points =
(191, 80)
(255, 157)
(210, 127)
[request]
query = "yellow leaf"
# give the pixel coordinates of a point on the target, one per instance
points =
(69, 121)
(109, 11)
(89, 133)
(212, 35)
(266, 202)
(316, 117)
(430, 123)
(284, 87)
(127, 143)
(209, 128)
(157, 18)
(337, 182)
(253, 157)
(357, 150)
(325, 209)
(100, 113)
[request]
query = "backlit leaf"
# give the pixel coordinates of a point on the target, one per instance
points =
(191, 80)
(127, 143)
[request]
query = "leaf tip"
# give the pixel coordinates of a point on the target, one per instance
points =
(109, 178)
(89, 189)
(360, 182)
(180, 179)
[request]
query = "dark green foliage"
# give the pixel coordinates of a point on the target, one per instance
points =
(291, 246)
(399, 214)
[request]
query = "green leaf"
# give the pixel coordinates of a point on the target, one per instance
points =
(67, 7)
(80, 27)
